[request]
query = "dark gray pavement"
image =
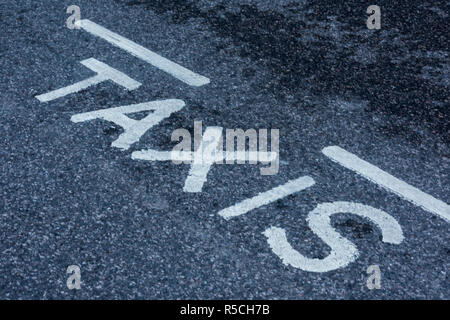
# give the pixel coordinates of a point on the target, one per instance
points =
(309, 68)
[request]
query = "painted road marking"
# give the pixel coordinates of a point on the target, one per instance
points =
(204, 157)
(172, 68)
(181, 156)
(104, 73)
(343, 251)
(133, 129)
(387, 181)
(267, 197)
(155, 155)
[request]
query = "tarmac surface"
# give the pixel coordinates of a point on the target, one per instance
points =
(311, 69)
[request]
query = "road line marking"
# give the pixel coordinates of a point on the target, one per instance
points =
(172, 68)
(133, 129)
(267, 197)
(59, 93)
(104, 73)
(154, 155)
(111, 74)
(387, 181)
(206, 151)
(343, 251)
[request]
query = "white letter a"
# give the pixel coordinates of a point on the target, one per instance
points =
(134, 129)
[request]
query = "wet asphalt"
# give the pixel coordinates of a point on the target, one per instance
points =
(311, 69)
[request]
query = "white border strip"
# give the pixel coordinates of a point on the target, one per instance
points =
(174, 69)
(384, 179)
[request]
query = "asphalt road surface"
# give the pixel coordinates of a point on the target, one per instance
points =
(311, 69)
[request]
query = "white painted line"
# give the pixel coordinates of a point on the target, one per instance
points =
(201, 165)
(110, 73)
(133, 129)
(267, 197)
(387, 181)
(104, 73)
(148, 56)
(343, 251)
(59, 93)
(154, 155)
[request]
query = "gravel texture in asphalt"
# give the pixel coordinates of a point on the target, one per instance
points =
(311, 69)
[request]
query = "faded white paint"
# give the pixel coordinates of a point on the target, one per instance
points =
(104, 73)
(387, 181)
(182, 156)
(267, 197)
(148, 56)
(343, 251)
(133, 129)
(204, 157)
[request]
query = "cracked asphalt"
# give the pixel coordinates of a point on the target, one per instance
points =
(309, 68)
